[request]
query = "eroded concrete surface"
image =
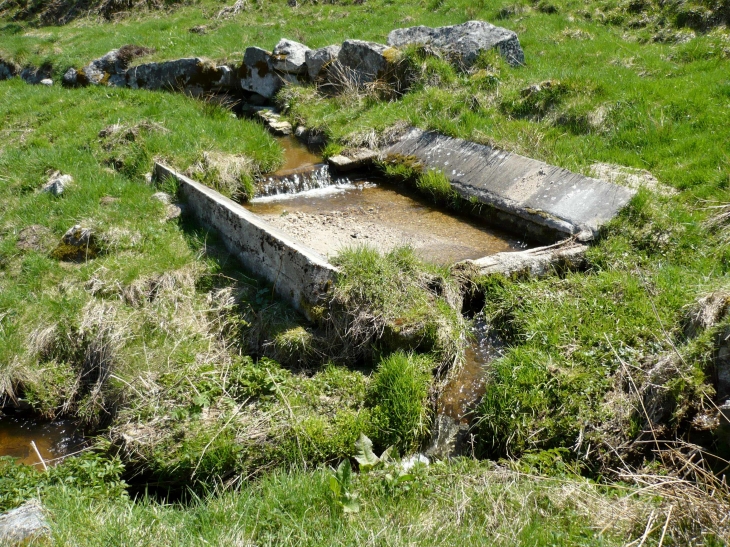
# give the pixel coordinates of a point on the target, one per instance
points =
(521, 193)
(300, 276)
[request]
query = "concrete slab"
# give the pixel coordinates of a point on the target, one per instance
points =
(528, 195)
(300, 276)
(355, 159)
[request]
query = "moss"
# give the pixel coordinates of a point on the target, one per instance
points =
(400, 167)
(392, 55)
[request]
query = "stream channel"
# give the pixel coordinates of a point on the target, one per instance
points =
(329, 213)
(54, 440)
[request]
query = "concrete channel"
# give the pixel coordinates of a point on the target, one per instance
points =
(525, 195)
(299, 275)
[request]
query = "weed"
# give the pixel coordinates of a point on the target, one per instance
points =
(340, 484)
(436, 186)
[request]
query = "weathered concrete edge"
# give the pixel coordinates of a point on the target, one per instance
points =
(537, 262)
(520, 215)
(300, 276)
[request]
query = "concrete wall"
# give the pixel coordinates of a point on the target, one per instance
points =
(300, 276)
(520, 194)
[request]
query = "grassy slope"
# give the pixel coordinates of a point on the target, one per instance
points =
(465, 502)
(665, 107)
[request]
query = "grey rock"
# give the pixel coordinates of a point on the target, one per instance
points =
(191, 72)
(23, 524)
(359, 158)
(227, 77)
(34, 76)
(290, 57)
(57, 184)
(70, 78)
(173, 209)
(117, 80)
(465, 41)
(318, 59)
(7, 70)
(99, 70)
(274, 123)
(366, 61)
(46, 82)
(257, 73)
(162, 197)
(110, 69)
(301, 132)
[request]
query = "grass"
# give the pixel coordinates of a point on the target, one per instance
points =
(460, 502)
(596, 363)
(399, 395)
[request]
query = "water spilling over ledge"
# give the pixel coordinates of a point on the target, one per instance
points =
(296, 181)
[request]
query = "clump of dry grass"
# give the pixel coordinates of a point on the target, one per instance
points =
(230, 174)
(706, 312)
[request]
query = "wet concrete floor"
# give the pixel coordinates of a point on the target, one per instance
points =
(54, 440)
(381, 216)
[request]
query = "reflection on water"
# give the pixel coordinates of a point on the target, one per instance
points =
(53, 439)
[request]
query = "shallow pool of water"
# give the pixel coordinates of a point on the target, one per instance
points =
(296, 156)
(54, 440)
(343, 215)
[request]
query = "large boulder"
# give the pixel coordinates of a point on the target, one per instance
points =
(23, 525)
(257, 73)
(181, 74)
(365, 61)
(318, 59)
(290, 57)
(465, 41)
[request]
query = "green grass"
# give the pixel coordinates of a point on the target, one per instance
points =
(399, 395)
(465, 502)
(183, 320)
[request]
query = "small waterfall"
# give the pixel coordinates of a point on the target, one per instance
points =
(297, 180)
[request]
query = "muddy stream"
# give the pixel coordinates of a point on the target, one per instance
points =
(54, 440)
